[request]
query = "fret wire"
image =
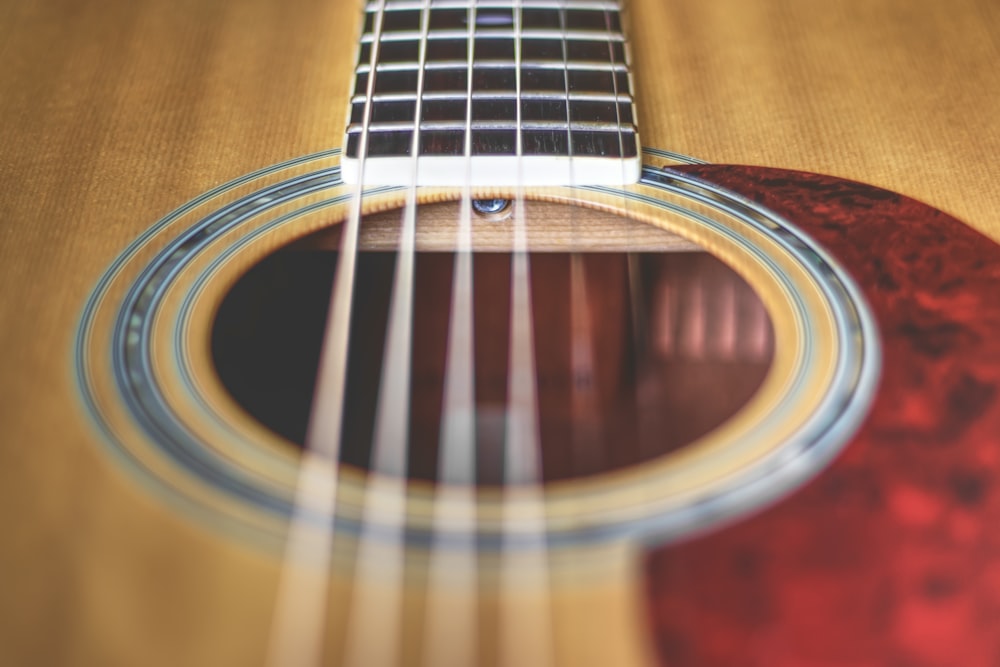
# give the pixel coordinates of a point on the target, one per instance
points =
(575, 97)
(571, 65)
(512, 124)
(537, 33)
(574, 66)
(499, 95)
(495, 33)
(582, 5)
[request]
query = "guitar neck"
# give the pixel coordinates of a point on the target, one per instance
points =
(492, 94)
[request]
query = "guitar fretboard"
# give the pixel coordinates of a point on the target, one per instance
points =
(492, 92)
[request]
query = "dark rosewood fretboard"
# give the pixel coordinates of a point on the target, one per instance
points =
(493, 92)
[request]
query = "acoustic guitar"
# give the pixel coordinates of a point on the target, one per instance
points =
(406, 332)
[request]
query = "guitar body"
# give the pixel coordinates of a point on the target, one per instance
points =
(114, 115)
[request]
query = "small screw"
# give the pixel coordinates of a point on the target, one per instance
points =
(493, 210)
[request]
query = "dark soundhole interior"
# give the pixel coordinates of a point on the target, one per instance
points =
(679, 343)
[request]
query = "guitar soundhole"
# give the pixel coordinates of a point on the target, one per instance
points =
(638, 351)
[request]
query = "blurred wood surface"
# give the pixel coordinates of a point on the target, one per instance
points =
(114, 112)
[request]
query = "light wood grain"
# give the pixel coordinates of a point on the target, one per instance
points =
(113, 113)
(566, 228)
(899, 94)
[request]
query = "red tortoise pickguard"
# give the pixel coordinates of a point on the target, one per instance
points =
(891, 556)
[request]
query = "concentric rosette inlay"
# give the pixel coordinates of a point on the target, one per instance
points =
(146, 375)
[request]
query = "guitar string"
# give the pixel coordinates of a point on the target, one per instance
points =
(525, 616)
(584, 422)
(298, 624)
(633, 269)
(581, 361)
(375, 615)
(587, 424)
(525, 623)
(633, 261)
(584, 435)
(452, 577)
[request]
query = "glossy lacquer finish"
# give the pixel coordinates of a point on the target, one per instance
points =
(892, 555)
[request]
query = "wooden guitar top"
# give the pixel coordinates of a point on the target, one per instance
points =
(114, 113)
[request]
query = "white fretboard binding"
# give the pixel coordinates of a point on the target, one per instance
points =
(545, 97)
